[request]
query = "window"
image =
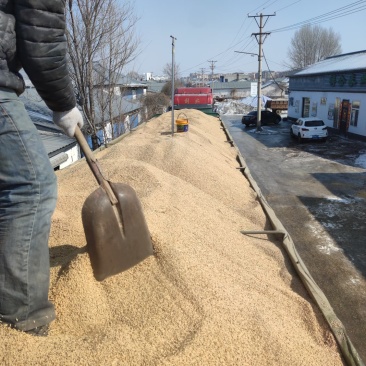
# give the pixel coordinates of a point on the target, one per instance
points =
(314, 123)
(354, 113)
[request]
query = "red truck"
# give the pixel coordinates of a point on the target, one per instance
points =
(196, 97)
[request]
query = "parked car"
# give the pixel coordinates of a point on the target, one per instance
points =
(309, 128)
(267, 117)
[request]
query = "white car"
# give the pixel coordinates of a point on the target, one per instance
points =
(309, 128)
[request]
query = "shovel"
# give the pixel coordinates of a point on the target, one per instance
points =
(116, 232)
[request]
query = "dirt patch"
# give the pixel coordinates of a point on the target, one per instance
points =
(209, 295)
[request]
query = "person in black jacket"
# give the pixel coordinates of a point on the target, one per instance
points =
(32, 37)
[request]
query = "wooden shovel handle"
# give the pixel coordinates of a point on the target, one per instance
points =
(93, 165)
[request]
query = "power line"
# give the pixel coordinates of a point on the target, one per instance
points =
(285, 7)
(270, 72)
(334, 14)
(230, 59)
(262, 7)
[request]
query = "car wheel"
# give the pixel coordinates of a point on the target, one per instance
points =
(247, 124)
(299, 138)
(291, 133)
(278, 120)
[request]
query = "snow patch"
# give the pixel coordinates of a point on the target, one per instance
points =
(264, 131)
(327, 245)
(361, 160)
(339, 199)
(232, 107)
(328, 248)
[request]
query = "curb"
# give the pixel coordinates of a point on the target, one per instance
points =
(347, 349)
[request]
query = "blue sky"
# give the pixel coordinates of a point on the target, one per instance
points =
(212, 30)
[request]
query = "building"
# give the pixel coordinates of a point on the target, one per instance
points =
(61, 149)
(333, 90)
(124, 112)
(118, 103)
(231, 89)
(276, 88)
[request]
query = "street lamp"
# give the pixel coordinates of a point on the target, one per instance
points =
(173, 47)
(259, 88)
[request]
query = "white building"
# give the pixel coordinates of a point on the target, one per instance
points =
(335, 91)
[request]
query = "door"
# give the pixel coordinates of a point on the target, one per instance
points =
(345, 113)
(305, 107)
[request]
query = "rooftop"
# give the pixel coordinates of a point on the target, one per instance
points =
(344, 62)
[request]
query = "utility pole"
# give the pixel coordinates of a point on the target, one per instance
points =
(173, 77)
(212, 73)
(260, 40)
(202, 71)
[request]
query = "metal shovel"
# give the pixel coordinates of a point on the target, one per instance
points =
(116, 232)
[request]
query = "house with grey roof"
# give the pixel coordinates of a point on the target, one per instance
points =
(124, 107)
(61, 149)
(124, 114)
(231, 89)
(333, 90)
(276, 87)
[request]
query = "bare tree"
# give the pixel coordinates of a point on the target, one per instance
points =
(311, 44)
(134, 75)
(155, 103)
(99, 32)
(168, 71)
(167, 88)
(233, 93)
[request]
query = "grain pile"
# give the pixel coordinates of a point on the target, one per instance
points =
(209, 296)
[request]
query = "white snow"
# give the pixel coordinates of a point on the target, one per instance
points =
(348, 61)
(361, 160)
(232, 107)
(253, 101)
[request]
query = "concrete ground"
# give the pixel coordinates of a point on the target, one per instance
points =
(318, 191)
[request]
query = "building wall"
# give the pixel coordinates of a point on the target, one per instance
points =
(336, 81)
(131, 93)
(227, 93)
(73, 155)
(337, 97)
(324, 105)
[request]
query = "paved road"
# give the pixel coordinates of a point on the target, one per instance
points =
(319, 194)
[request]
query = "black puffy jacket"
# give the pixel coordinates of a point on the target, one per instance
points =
(32, 37)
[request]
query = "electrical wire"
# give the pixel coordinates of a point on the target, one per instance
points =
(270, 73)
(260, 6)
(225, 53)
(231, 59)
(334, 14)
(247, 46)
(285, 7)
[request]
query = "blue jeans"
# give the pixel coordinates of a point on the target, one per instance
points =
(28, 193)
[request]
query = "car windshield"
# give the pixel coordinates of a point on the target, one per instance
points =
(314, 123)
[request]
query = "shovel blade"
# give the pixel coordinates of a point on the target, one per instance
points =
(117, 235)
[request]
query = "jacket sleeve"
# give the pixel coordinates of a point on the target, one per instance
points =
(41, 49)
